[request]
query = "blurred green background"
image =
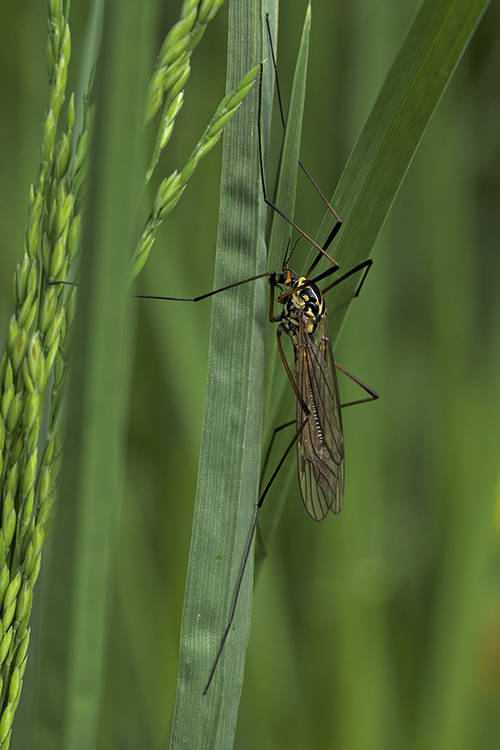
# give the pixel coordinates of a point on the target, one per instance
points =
(380, 628)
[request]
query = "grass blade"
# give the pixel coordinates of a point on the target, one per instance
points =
(279, 395)
(286, 184)
(230, 453)
(385, 148)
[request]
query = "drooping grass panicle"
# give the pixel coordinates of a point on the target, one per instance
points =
(171, 188)
(172, 69)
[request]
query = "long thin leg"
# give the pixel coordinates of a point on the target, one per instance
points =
(322, 253)
(276, 319)
(290, 376)
(271, 442)
(321, 250)
(181, 299)
(324, 275)
(337, 226)
(365, 264)
(373, 394)
(204, 296)
(247, 555)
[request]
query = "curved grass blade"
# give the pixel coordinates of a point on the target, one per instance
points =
(390, 137)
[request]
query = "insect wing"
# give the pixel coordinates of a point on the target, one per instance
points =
(320, 444)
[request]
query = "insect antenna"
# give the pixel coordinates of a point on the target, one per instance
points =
(289, 253)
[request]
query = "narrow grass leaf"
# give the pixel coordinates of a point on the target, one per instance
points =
(279, 230)
(279, 395)
(286, 183)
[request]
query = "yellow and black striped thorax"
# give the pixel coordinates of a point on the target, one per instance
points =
(307, 303)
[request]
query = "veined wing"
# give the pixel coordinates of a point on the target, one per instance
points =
(320, 444)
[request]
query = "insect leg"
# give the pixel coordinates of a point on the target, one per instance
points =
(321, 251)
(247, 555)
(203, 296)
(322, 276)
(282, 460)
(373, 394)
(235, 601)
(268, 452)
(365, 264)
(333, 233)
(180, 299)
(275, 319)
(290, 376)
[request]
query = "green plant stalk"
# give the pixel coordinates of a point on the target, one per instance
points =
(81, 561)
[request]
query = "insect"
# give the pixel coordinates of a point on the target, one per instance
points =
(319, 437)
(318, 434)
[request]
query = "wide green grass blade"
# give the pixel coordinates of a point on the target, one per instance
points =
(230, 452)
(81, 554)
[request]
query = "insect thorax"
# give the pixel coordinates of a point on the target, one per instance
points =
(306, 302)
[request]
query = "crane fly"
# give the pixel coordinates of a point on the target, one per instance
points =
(319, 436)
(303, 317)
(320, 442)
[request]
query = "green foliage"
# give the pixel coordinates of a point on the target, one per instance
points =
(374, 629)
